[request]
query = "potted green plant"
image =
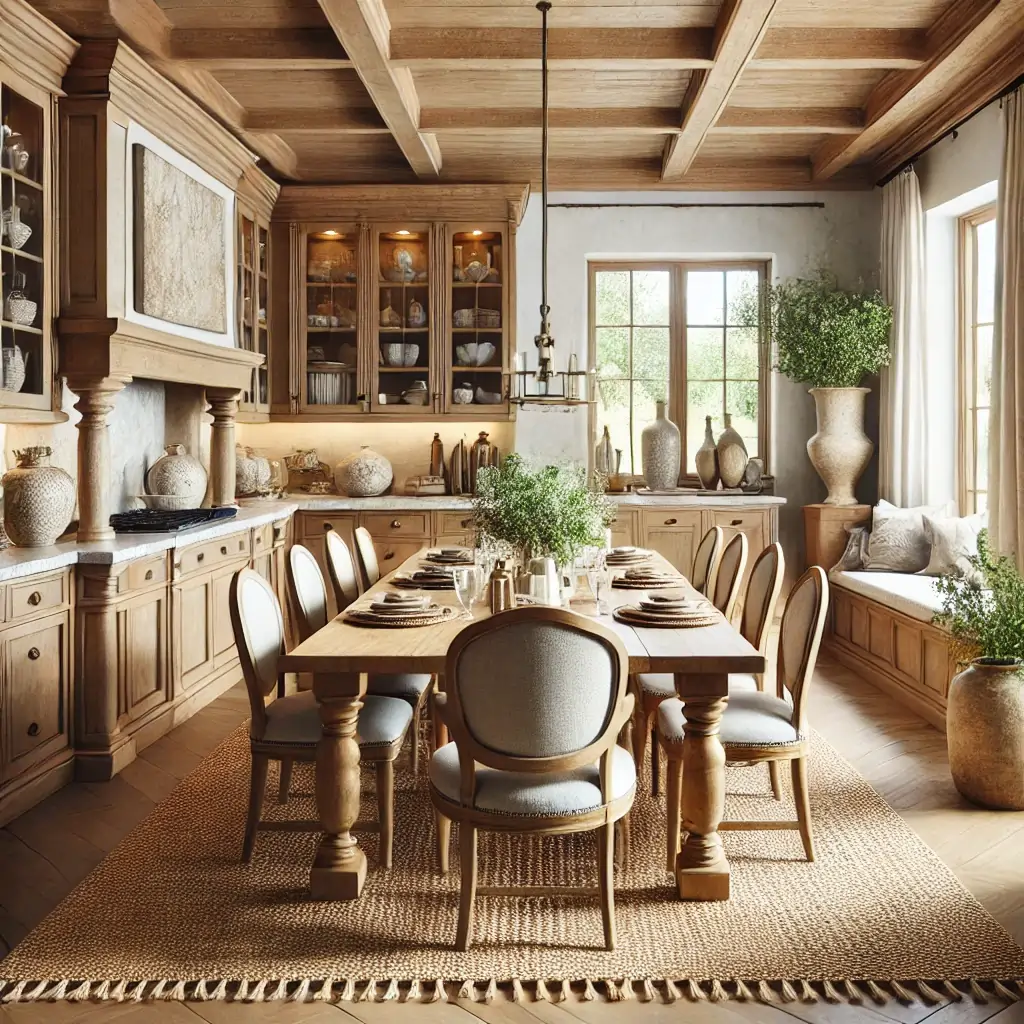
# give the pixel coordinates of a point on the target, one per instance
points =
(540, 513)
(831, 339)
(984, 614)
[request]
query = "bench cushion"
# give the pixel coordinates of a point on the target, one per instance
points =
(909, 593)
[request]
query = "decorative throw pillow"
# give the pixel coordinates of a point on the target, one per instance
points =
(898, 541)
(856, 549)
(953, 542)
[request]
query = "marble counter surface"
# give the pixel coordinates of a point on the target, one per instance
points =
(453, 503)
(18, 562)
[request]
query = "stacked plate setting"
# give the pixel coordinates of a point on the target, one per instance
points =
(398, 611)
(646, 578)
(679, 610)
(451, 556)
(620, 558)
(433, 577)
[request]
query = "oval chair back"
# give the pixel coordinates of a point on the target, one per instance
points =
(730, 575)
(259, 636)
(569, 676)
(705, 561)
(309, 591)
(803, 623)
(367, 555)
(763, 588)
(341, 569)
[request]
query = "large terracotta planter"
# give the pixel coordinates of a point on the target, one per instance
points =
(985, 733)
(840, 451)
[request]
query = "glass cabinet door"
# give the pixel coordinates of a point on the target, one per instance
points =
(262, 396)
(477, 353)
(330, 345)
(404, 376)
(24, 332)
(245, 286)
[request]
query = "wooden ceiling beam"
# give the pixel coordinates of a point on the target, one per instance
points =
(364, 31)
(789, 121)
(959, 46)
(289, 49)
(802, 49)
(739, 31)
(474, 119)
(320, 120)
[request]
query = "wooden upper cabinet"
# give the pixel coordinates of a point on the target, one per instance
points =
(251, 302)
(401, 301)
(29, 290)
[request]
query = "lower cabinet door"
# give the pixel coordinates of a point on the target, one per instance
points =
(36, 692)
(223, 635)
(673, 534)
(144, 626)
(193, 629)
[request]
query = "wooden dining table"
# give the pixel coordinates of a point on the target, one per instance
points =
(341, 655)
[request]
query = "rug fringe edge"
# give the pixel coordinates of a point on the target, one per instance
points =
(855, 991)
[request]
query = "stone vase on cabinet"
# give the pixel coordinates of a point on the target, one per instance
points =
(732, 455)
(39, 499)
(660, 449)
(840, 451)
(706, 459)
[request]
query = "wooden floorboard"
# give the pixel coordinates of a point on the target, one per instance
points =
(48, 850)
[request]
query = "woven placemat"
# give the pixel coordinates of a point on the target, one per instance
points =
(364, 617)
(630, 615)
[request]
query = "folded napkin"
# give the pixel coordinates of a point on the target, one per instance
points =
(415, 605)
(666, 604)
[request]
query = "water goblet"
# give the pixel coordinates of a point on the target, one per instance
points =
(466, 588)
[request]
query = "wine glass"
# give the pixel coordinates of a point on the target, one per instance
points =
(467, 588)
(598, 580)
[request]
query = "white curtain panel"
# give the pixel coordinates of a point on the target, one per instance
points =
(1006, 423)
(903, 463)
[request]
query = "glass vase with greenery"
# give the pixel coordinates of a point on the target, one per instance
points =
(984, 609)
(547, 512)
(823, 335)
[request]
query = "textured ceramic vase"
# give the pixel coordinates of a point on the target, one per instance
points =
(732, 455)
(179, 474)
(840, 451)
(984, 726)
(252, 473)
(706, 459)
(39, 499)
(660, 450)
(363, 474)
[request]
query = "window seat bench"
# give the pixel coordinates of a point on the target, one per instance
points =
(880, 626)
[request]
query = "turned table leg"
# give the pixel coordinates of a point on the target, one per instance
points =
(339, 867)
(702, 871)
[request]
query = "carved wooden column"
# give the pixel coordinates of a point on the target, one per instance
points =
(224, 407)
(95, 401)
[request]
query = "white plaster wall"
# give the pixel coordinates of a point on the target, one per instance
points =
(955, 166)
(842, 235)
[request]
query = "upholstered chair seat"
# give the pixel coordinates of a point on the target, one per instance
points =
(542, 795)
(410, 686)
(751, 719)
(662, 684)
(296, 719)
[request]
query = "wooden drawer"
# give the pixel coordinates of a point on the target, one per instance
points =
(391, 554)
(279, 533)
(313, 526)
(673, 533)
(36, 594)
(201, 557)
(753, 524)
(146, 572)
(399, 525)
(262, 539)
(453, 523)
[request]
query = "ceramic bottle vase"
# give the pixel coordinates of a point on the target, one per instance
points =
(840, 451)
(39, 499)
(660, 451)
(707, 459)
(178, 474)
(984, 725)
(603, 454)
(732, 455)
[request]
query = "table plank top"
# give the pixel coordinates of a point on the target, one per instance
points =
(341, 647)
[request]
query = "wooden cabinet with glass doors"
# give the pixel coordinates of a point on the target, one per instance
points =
(251, 307)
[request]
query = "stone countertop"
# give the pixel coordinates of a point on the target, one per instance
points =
(459, 503)
(18, 562)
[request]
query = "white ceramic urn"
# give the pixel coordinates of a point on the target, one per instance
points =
(39, 499)
(363, 474)
(178, 474)
(840, 451)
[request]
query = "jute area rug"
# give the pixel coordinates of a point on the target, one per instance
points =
(172, 914)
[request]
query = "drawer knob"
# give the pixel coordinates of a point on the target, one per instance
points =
(736, 522)
(396, 524)
(224, 549)
(33, 653)
(149, 574)
(33, 729)
(388, 555)
(327, 526)
(35, 597)
(200, 556)
(671, 522)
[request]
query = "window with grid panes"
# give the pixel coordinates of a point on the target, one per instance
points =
(679, 332)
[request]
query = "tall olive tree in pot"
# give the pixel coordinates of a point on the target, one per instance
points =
(831, 339)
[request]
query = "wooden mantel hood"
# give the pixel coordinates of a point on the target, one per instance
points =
(113, 347)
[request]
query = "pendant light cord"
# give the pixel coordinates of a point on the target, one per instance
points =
(544, 6)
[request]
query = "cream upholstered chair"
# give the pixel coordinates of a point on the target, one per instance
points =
(546, 762)
(757, 726)
(730, 575)
(383, 721)
(414, 687)
(651, 690)
(367, 555)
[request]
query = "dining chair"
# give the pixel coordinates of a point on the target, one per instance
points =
(383, 720)
(367, 555)
(651, 690)
(758, 727)
(545, 763)
(730, 575)
(414, 687)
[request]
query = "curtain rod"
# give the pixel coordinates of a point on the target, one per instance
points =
(1017, 83)
(687, 206)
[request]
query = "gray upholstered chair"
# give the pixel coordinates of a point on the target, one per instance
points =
(759, 727)
(546, 762)
(383, 720)
(651, 690)
(367, 555)
(414, 687)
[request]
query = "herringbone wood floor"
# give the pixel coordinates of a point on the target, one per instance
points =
(47, 851)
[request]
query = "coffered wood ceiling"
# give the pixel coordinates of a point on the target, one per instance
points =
(705, 94)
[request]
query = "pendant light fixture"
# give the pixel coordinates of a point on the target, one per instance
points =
(545, 385)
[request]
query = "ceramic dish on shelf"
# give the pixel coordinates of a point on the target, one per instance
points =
(475, 353)
(318, 320)
(417, 394)
(488, 397)
(315, 353)
(476, 271)
(399, 353)
(463, 394)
